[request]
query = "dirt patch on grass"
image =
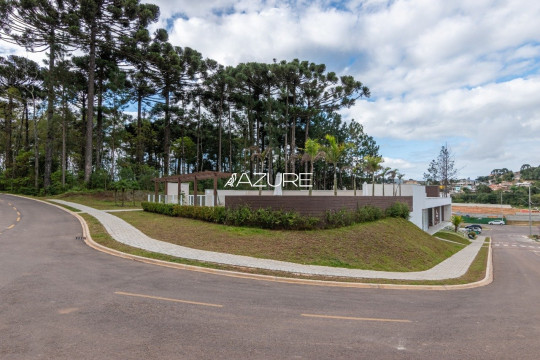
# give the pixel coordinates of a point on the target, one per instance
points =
(386, 245)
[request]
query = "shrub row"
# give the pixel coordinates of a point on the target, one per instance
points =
(277, 219)
(367, 213)
(242, 216)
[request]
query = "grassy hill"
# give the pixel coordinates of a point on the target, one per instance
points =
(390, 244)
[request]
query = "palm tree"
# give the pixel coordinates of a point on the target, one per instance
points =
(358, 167)
(312, 152)
(383, 174)
(456, 221)
(400, 176)
(372, 165)
(392, 175)
(333, 154)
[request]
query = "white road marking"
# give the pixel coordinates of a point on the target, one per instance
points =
(354, 318)
(166, 299)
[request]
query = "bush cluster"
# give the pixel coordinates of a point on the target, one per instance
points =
(277, 219)
(241, 216)
(398, 210)
(367, 213)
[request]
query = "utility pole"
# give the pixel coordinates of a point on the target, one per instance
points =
(530, 219)
(502, 212)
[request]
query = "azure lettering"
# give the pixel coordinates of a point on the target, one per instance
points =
(302, 180)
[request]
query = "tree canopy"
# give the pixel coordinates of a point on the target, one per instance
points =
(130, 102)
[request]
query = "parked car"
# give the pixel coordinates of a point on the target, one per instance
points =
(496, 222)
(474, 227)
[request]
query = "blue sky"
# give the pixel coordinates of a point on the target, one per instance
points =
(463, 73)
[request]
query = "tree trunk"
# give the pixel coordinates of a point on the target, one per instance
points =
(167, 135)
(325, 174)
(139, 131)
(50, 119)
(64, 135)
(113, 149)
(99, 124)
(311, 187)
(251, 136)
(335, 180)
(9, 115)
(220, 131)
(307, 131)
(36, 149)
(26, 131)
(90, 109)
(285, 157)
(293, 135)
(230, 140)
(198, 135)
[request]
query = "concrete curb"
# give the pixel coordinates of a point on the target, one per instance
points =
(91, 243)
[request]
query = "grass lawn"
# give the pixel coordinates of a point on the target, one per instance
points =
(102, 200)
(453, 236)
(475, 273)
(386, 245)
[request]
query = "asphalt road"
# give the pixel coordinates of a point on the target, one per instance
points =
(60, 299)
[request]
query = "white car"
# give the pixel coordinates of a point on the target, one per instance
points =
(496, 222)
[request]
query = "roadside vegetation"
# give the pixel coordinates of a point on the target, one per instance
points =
(476, 271)
(390, 244)
(277, 219)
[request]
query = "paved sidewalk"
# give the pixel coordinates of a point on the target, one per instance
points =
(453, 267)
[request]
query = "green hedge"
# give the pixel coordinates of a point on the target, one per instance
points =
(398, 209)
(277, 219)
(242, 216)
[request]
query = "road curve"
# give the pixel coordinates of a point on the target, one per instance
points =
(61, 299)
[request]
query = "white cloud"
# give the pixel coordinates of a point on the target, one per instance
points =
(399, 164)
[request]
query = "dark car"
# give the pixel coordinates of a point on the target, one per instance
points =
(476, 228)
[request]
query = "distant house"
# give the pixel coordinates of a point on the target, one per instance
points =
(504, 186)
(496, 187)
(411, 182)
(463, 184)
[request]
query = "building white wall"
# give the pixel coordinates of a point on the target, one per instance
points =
(421, 203)
(172, 188)
(406, 190)
(222, 193)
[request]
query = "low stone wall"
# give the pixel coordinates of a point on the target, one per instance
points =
(315, 205)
